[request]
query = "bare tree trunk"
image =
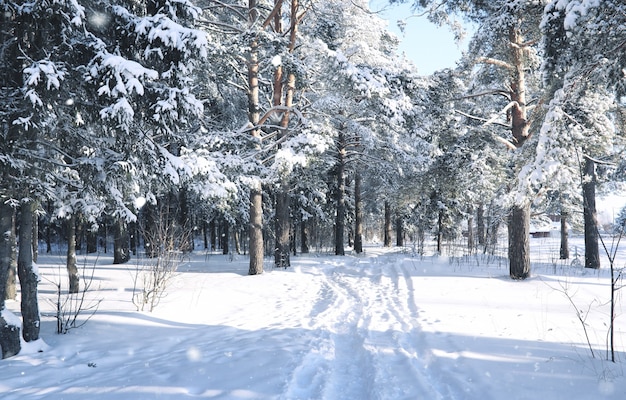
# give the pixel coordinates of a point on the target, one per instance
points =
(592, 251)
(72, 270)
(519, 238)
(9, 334)
(28, 277)
(564, 251)
(358, 215)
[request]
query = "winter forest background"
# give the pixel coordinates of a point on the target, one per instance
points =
(272, 128)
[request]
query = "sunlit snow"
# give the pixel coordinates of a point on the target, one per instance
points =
(388, 324)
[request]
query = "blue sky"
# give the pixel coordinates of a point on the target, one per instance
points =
(430, 47)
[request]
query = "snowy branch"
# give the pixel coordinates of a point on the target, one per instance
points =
(497, 63)
(482, 119)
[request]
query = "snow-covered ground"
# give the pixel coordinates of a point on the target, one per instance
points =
(387, 324)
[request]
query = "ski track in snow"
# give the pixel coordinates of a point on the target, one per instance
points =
(363, 343)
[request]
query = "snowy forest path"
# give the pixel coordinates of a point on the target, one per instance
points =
(366, 336)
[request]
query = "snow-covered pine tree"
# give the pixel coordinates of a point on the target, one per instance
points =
(581, 42)
(504, 49)
(141, 77)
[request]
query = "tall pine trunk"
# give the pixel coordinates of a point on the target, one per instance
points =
(519, 238)
(592, 251)
(282, 215)
(358, 215)
(27, 275)
(256, 194)
(340, 217)
(388, 228)
(72, 270)
(519, 219)
(256, 231)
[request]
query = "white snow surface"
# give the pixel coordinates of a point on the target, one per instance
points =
(387, 324)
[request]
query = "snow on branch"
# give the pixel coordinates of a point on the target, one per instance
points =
(496, 62)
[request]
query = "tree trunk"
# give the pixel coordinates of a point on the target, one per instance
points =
(256, 231)
(49, 227)
(236, 238)
(399, 232)
(92, 241)
(440, 232)
(9, 334)
(519, 219)
(205, 237)
(35, 237)
(387, 229)
(212, 235)
(470, 230)
(304, 237)
(105, 235)
(340, 217)
(225, 236)
(564, 252)
(480, 224)
(72, 270)
(519, 238)
(121, 242)
(592, 251)
(358, 215)
(11, 281)
(27, 275)
(256, 194)
(282, 226)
